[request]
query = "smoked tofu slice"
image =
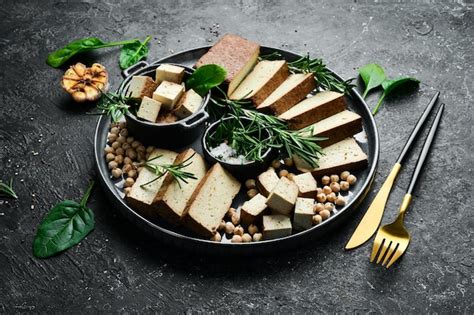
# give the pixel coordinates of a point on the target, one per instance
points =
(314, 109)
(189, 103)
(276, 226)
(303, 216)
(210, 201)
(283, 197)
(140, 86)
(262, 81)
(142, 196)
(306, 185)
(289, 93)
(235, 54)
(345, 155)
(168, 94)
(267, 181)
(252, 209)
(173, 195)
(170, 73)
(337, 127)
(149, 109)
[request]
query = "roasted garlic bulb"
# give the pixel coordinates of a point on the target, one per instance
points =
(85, 84)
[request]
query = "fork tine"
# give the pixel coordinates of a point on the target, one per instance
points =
(385, 246)
(402, 246)
(390, 251)
(377, 242)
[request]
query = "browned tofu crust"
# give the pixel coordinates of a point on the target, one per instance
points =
(149, 88)
(340, 133)
(278, 78)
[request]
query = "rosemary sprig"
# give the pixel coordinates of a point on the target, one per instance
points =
(176, 170)
(114, 105)
(7, 189)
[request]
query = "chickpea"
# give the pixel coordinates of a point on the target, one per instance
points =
(135, 144)
(252, 229)
(335, 187)
(129, 182)
(231, 212)
(127, 190)
(141, 156)
(319, 190)
(317, 219)
(321, 197)
(246, 238)
(127, 160)
(130, 140)
(123, 132)
(239, 230)
(112, 137)
(110, 157)
(257, 237)
(126, 146)
(334, 178)
(150, 149)
(329, 206)
(116, 172)
(318, 207)
(236, 239)
(121, 139)
(276, 164)
(229, 228)
(325, 180)
(250, 183)
(327, 190)
(112, 165)
(340, 201)
(283, 173)
(325, 214)
(120, 151)
(122, 124)
(216, 237)
(141, 148)
(331, 197)
(252, 193)
(131, 154)
(235, 218)
(109, 150)
(115, 145)
(126, 168)
(344, 175)
(288, 161)
(290, 176)
(119, 159)
(351, 179)
(344, 185)
(115, 130)
(132, 173)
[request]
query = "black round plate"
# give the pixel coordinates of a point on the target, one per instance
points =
(368, 140)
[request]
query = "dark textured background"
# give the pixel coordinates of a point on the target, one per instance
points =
(46, 145)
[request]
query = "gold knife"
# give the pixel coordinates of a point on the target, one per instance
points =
(372, 218)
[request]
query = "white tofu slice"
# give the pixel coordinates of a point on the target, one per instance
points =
(276, 226)
(140, 86)
(283, 197)
(252, 209)
(267, 181)
(168, 94)
(306, 185)
(188, 104)
(169, 73)
(303, 217)
(149, 109)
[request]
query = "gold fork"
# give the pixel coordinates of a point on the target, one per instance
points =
(392, 239)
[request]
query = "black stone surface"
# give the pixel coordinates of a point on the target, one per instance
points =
(46, 145)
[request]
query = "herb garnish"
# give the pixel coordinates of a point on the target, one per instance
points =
(205, 78)
(66, 224)
(176, 170)
(115, 105)
(7, 189)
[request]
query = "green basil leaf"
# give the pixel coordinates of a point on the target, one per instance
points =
(389, 86)
(133, 53)
(205, 78)
(373, 75)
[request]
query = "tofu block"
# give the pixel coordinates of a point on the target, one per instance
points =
(314, 109)
(283, 197)
(289, 93)
(173, 197)
(140, 86)
(188, 104)
(337, 127)
(267, 181)
(168, 94)
(306, 185)
(170, 73)
(262, 81)
(236, 54)
(303, 217)
(210, 201)
(276, 226)
(149, 109)
(141, 198)
(345, 155)
(252, 209)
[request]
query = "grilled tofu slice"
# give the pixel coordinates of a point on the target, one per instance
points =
(188, 104)
(140, 86)
(283, 196)
(267, 181)
(252, 209)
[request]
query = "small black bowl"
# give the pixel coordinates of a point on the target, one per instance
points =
(240, 171)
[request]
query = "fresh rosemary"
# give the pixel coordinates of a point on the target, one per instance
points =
(176, 170)
(7, 189)
(114, 105)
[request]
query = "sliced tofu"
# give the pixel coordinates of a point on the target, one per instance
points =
(252, 209)
(188, 104)
(142, 196)
(314, 109)
(345, 155)
(283, 197)
(236, 54)
(173, 196)
(262, 81)
(210, 201)
(267, 181)
(168, 94)
(337, 127)
(303, 216)
(140, 86)
(149, 109)
(276, 226)
(306, 185)
(170, 73)
(289, 93)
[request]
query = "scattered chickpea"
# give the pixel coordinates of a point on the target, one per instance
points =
(150, 149)
(115, 145)
(112, 137)
(132, 173)
(216, 237)
(288, 161)
(252, 229)
(340, 201)
(331, 197)
(236, 239)
(344, 185)
(231, 212)
(221, 226)
(325, 214)
(141, 156)
(112, 165)
(329, 206)
(319, 190)
(283, 173)
(351, 179)
(327, 190)
(235, 218)
(335, 187)
(123, 132)
(257, 237)
(334, 178)
(126, 168)
(127, 160)
(127, 190)
(229, 228)
(122, 124)
(126, 146)
(116, 172)
(119, 159)
(120, 151)
(246, 238)
(239, 230)
(131, 154)
(344, 175)
(250, 183)
(135, 144)
(114, 130)
(325, 180)
(141, 148)
(321, 197)
(252, 193)
(130, 140)
(129, 182)
(317, 219)
(276, 164)
(121, 139)
(318, 207)
(110, 157)
(290, 176)
(108, 150)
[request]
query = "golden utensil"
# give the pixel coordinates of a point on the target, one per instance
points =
(392, 239)
(372, 218)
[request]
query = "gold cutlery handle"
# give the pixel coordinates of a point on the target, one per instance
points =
(405, 203)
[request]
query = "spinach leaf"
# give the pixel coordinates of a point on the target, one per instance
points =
(133, 53)
(373, 75)
(205, 78)
(391, 85)
(66, 224)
